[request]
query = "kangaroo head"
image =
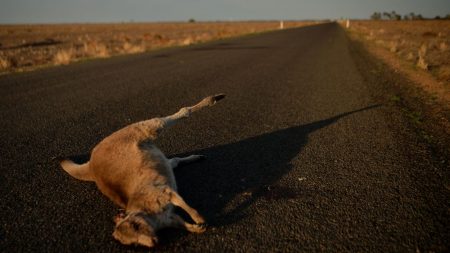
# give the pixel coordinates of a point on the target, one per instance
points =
(134, 229)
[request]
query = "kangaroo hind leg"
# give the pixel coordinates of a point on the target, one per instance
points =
(152, 127)
(186, 111)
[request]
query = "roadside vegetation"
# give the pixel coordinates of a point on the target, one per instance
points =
(413, 57)
(25, 47)
(418, 48)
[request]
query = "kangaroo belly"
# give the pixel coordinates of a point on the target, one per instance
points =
(120, 170)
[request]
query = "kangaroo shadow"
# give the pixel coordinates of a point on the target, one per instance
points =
(248, 170)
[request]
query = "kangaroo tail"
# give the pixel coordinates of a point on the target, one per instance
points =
(78, 171)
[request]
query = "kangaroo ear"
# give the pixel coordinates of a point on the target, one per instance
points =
(147, 241)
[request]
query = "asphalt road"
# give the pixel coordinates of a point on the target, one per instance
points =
(302, 155)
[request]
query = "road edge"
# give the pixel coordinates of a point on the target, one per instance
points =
(426, 116)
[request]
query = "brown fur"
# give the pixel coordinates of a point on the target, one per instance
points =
(131, 171)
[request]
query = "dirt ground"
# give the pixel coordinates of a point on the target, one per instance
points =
(423, 43)
(419, 50)
(25, 47)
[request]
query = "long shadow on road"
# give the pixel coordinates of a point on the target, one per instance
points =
(245, 171)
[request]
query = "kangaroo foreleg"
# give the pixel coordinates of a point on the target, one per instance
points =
(177, 200)
(174, 162)
(178, 222)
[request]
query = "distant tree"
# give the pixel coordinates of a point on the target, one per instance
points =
(395, 16)
(447, 16)
(387, 15)
(437, 17)
(412, 16)
(416, 17)
(376, 16)
(191, 20)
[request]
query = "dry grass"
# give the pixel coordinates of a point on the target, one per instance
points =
(422, 53)
(28, 46)
(94, 49)
(4, 63)
(416, 49)
(423, 44)
(63, 57)
(443, 46)
(129, 48)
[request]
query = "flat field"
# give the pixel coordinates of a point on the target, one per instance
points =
(422, 43)
(25, 47)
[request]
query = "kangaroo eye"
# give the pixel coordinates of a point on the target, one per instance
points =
(135, 225)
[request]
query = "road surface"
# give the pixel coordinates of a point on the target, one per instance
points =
(302, 155)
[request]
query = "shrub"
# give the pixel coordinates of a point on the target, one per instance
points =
(95, 49)
(421, 63)
(393, 46)
(130, 48)
(443, 46)
(63, 57)
(4, 63)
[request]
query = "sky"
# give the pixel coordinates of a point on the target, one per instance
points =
(69, 11)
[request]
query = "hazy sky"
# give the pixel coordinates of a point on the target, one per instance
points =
(56, 11)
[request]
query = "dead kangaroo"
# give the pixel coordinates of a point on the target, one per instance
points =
(131, 171)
